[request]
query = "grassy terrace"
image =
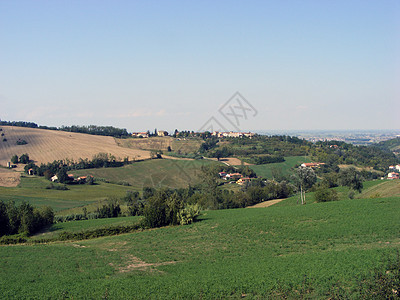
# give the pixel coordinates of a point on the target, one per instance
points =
(316, 250)
(33, 190)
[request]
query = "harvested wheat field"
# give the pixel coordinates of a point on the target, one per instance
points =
(48, 145)
(233, 161)
(9, 178)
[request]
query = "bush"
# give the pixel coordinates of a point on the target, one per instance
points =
(24, 159)
(21, 142)
(189, 214)
(325, 195)
(57, 187)
(14, 159)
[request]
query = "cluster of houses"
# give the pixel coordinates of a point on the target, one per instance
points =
(147, 134)
(235, 177)
(395, 172)
(72, 179)
(233, 134)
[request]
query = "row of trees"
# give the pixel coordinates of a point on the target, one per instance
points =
(23, 159)
(61, 167)
(97, 130)
(91, 129)
(23, 218)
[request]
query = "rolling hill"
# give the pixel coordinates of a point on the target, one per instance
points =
(48, 145)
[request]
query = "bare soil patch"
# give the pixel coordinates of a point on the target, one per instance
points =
(9, 178)
(45, 146)
(266, 203)
(135, 263)
(233, 161)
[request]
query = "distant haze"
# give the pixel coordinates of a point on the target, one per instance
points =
(298, 65)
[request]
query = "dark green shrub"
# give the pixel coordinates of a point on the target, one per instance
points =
(324, 194)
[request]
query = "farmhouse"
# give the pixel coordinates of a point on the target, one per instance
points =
(222, 174)
(393, 175)
(243, 180)
(54, 178)
(30, 172)
(397, 167)
(312, 165)
(234, 176)
(81, 179)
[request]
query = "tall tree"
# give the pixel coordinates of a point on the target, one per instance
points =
(351, 178)
(306, 178)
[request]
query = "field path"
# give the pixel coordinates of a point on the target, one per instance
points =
(48, 145)
(266, 203)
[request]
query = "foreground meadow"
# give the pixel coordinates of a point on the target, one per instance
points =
(316, 250)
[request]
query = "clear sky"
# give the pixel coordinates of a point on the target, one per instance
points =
(174, 64)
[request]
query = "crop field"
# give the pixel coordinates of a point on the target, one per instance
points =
(153, 173)
(33, 190)
(153, 143)
(48, 145)
(178, 145)
(9, 177)
(372, 189)
(283, 168)
(316, 251)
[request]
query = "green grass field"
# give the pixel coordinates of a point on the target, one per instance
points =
(316, 250)
(78, 226)
(153, 173)
(282, 168)
(33, 190)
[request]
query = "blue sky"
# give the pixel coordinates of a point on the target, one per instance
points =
(173, 64)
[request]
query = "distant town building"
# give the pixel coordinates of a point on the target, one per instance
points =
(393, 175)
(140, 134)
(162, 133)
(233, 134)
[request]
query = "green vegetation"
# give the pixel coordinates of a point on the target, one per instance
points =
(323, 250)
(33, 190)
(154, 173)
(279, 170)
(23, 218)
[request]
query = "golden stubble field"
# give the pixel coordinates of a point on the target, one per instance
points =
(48, 145)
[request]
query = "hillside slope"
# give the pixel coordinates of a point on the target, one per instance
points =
(48, 145)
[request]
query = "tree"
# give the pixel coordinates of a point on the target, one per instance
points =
(351, 178)
(4, 221)
(24, 159)
(306, 178)
(14, 159)
(62, 175)
(324, 194)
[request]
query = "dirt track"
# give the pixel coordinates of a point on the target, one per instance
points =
(266, 203)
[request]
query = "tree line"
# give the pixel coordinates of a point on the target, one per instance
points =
(90, 129)
(61, 167)
(23, 218)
